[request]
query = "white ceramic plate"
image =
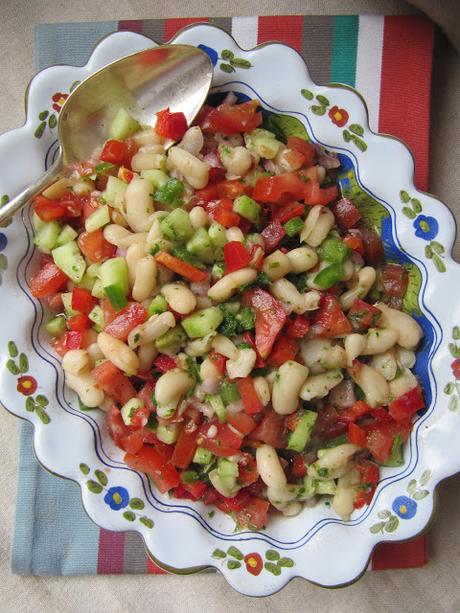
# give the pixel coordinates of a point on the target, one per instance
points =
(417, 229)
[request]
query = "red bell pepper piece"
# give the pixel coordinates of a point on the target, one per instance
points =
(236, 256)
(113, 152)
(180, 267)
(171, 125)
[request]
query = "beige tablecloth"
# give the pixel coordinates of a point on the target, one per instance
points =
(434, 588)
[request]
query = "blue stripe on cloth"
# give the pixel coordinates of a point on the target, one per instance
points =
(53, 535)
(68, 43)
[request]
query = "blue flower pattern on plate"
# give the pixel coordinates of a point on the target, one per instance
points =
(3, 241)
(213, 55)
(117, 498)
(404, 507)
(426, 227)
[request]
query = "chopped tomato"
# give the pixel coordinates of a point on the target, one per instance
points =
(125, 175)
(254, 514)
(79, 322)
(346, 214)
(131, 149)
(369, 477)
(218, 438)
(381, 436)
(327, 424)
(270, 318)
(82, 300)
(59, 345)
(257, 254)
(164, 362)
(395, 280)
(140, 417)
(304, 147)
(48, 210)
(373, 247)
(242, 422)
(190, 491)
(287, 211)
(314, 194)
(124, 321)
(353, 413)
(235, 503)
(363, 315)
(356, 435)
(216, 174)
(89, 206)
(94, 246)
(284, 349)
(218, 360)
(73, 340)
(72, 203)
(232, 118)
(149, 460)
(171, 125)
(299, 467)
(247, 469)
(185, 447)
(270, 430)
(236, 256)
(355, 243)
(221, 210)
(146, 395)
(330, 321)
(278, 187)
(272, 235)
(249, 396)
(180, 267)
(407, 405)
(298, 327)
(55, 303)
(109, 311)
(47, 281)
(203, 196)
(249, 338)
(231, 188)
(113, 382)
(113, 152)
(120, 432)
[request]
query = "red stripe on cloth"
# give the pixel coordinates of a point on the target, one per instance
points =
(406, 85)
(110, 554)
(174, 25)
(153, 569)
(133, 25)
(287, 29)
(400, 555)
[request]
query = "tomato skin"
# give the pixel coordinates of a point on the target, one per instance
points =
(236, 503)
(221, 210)
(180, 267)
(79, 322)
(82, 300)
(355, 412)
(299, 468)
(47, 281)
(369, 478)
(47, 209)
(330, 321)
(287, 211)
(126, 320)
(146, 395)
(73, 340)
(242, 422)
(190, 491)
(373, 247)
(249, 338)
(270, 430)
(113, 152)
(203, 196)
(230, 188)
(131, 149)
(272, 235)
(346, 214)
(304, 147)
(218, 360)
(284, 349)
(171, 125)
(94, 246)
(407, 405)
(381, 435)
(355, 243)
(247, 470)
(229, 119)
(113, 382)
(395, 280)
(254, 514)
(270, 318)
(249, 397)
(363, 315)
(298, 327)
(236, 256)
(185, 448)
(150, 461)
(164, 362)
(356, 435)
(274, 189)
(224, 443)
(314, 194)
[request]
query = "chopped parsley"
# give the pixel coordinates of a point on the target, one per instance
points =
(171, 193)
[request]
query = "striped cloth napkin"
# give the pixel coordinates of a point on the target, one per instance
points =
(388, 59)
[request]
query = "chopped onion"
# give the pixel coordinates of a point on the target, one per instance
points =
(212, 159)
(201, 288)
(327, 159)
(270, 166)
(120, 253)
(235, 407)
(230, 98)
(342, 395)
(210, 385)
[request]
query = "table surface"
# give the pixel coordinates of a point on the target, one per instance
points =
(432, 588)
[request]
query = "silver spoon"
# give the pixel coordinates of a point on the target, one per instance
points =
(174, 76)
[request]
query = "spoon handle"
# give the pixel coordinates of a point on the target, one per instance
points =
(17, 203)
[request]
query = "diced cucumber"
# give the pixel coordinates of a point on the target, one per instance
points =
(129, 409)
(228, 392)
(332, 249)
(175, 337)
(93, 270)
(189, 476)
(293, 226)
(176, 226)
(115, 281)
(46, 238)
(397, 453)
(56, 326)
(326, 487)
(201, 246)
(87, 282)
(217, 404)
(168, 434)
(67, 302)
(203, 322)
(98, 219)
(37, 222)
(217, 235)
(123, 125)
(157, 306)
(247, 208)
(202, 456)
(157, 178)
(301, 435)
(97, 316)
(114, 193)
(263, 143)
(226, 468)
(226, 486)
(66, 235)
(329, 276)
(309, 484)
(98, 289)
(217, 271)
(69, 259)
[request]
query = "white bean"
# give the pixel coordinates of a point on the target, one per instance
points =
(269, 467)
(287, 292)
(292, 509)
(409, 331)
(405, 357)
(236, 160)
(286, 161)
(75, 361)
(139, 204)
(262, 390)
(385, 363)
(118, 352)
(94, 354)
(134, 254)
(83, 187)
(86, 387)
(194, 170)
(148, 160)
(147, 137)
(276, 265)
(403, 384)
(288, 383)
(224, 288)
(192, 141)
(225, 346)
(170, 388)
(200, 346)
(320, 355)
(242, 365)
(335, 462)
(354, 346)
(319, 386)
(209, 370)
(320, 220)
(151, 329)
(343, 502)
(302, 259)
(146, 354)
(234, 234)
(366, 279)
(145, 278)
(373, 384)
(198, 217)
(379, 340)
(179, 297)
(115, 234)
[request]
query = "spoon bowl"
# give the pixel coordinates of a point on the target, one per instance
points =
(174, 76)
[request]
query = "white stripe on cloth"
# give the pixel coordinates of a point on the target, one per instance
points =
(369, 63)
(244, 31)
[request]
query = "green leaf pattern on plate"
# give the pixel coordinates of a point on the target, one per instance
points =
(230, 63)
(253, 563)
(452, 388)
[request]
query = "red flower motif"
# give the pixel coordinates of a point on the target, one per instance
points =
(58, 98)
(254, 563)
(27, 385)
(456, 368)
(338, 116)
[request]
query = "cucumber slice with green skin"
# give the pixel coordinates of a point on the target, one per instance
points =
(217, 404)
(67, 302)
(217, 235)
(37, 222)
(177, 227)
(334, 250)
(293, 226)
(114, 191)
(168, 434)
(247, 208)
(226, 486)
(115, 281)
(202, 456)
(93, 270)
(203, 322)
(189, 476)
(329, 276)
(69, 259)
(157, 178)
(226, 468)
(157, 306)
(123, 125)
(47, 236)
(309, 484)
(66, 235)
(302, 433)
(326, 487)
(98, 219)
(200, 245)
(228, 392)
(87, 282)
(97, 317)
(98, 289)
(129, 409)
(172, 338)
(56, 326)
